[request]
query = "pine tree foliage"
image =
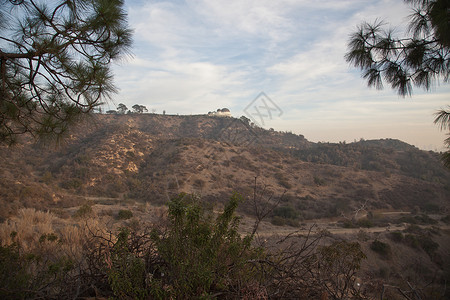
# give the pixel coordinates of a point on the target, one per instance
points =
(443, 120)
(55, 62)
(419, 59)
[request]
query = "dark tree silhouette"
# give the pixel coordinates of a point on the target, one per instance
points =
(139, 108)
(419, 59)
(443, 119)
(122, 108)
(54, 62)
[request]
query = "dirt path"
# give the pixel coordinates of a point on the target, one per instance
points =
(267, 229)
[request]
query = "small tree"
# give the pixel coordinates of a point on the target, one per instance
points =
(122, 108)
(139, 108)
(54, 62)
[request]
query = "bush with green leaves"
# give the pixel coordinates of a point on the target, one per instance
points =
(84, 211)
(125, 270)
(285, 215)
(124, 214)
(381, 248)
(202, 255)
(396, 236)
(35, 274)
(195, 254)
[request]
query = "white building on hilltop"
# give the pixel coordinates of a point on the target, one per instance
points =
(224, 112)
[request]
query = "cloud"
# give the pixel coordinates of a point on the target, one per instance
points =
(198, 55)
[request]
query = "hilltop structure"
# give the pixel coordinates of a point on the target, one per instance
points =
(224, 112)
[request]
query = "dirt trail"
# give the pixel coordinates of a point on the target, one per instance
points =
(267, 229)
(270, 230)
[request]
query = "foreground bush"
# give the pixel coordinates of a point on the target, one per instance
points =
(194, 253)
(201, 255)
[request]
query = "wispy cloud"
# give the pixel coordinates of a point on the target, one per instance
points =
(198, 55)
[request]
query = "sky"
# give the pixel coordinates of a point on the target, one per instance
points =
(195, 56)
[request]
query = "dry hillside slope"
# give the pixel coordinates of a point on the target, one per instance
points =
(150, 158)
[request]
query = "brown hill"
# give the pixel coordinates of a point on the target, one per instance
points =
(150, 158)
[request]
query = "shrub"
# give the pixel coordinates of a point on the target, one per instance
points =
(14, 277)
(202, 255)
(364, 222)
(280, 221)
(199, 183)
(337, 268)
(419, 219)
(428, 245)
(396, 236)
(285, 215)
(71, 184)
(282, 180)
(414, 229)
(318, 181)
(33, 275)
(84, 211)
(124, 214)
(446, 219)
(381, 248)
(411, 241)
(286, 212)
(126, 272)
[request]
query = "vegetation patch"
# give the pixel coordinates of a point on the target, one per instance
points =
(124, 214)
(84, 211)
(383, 249)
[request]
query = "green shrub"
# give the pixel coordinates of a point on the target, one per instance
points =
(47, 177)
(318, 181)
(364, 222)
(285, 215)
(280, 221)
(381, 248)
(14, 277)
(396, 236)
(33, 275)
(428, 245)
(419, 219)
(126, 272)
(124, 214)
(203, 255)
(412, 241)
(446, 219)
(347, 224)
(286, 212)
(84, 211)
(199, 183)
(71, 184)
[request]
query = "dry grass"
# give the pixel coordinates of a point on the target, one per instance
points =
(27, 227)
(30, 227)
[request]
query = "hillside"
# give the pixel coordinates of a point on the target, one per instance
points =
(382, 201)
(151, 158)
